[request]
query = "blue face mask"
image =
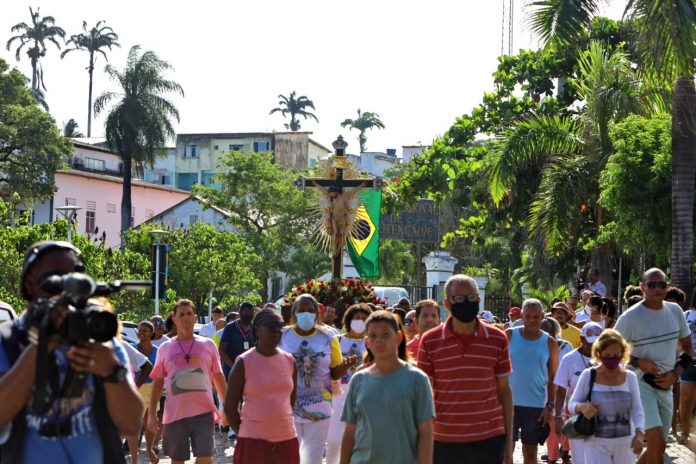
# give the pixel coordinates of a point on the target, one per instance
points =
(305, 321)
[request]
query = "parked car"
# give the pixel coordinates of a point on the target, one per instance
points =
(391, 295)
(7, 312)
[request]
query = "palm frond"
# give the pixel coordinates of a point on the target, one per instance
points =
(528, 143)
(554, 213)
(561, 20)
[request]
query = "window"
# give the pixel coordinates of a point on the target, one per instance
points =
(149, 213)
(90, 224)
(94, 164)
(193, 219)
(216, 147)
(110, 208)
(91, 205)
(261, 147)
(69, 202)
(191, 151)
(236, 147)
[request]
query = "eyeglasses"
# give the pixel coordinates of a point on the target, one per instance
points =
(471, 298)
(653, 285)
(408, 321)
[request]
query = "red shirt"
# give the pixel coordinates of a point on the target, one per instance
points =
(464, 381)
(412, 346)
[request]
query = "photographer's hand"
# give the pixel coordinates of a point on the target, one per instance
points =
(96, 358)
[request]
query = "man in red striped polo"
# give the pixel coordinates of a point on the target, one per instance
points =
(468, 363)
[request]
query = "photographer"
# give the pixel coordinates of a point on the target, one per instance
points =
(69, 403)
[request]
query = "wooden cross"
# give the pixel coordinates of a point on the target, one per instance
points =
(336, 183)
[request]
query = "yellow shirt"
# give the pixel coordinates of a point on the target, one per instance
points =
(571, 334)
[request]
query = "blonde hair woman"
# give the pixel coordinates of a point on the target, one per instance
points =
(616, 405)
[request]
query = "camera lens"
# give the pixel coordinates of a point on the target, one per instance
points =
(101, 325)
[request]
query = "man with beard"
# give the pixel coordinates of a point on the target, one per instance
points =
(561, 313)
(468, 363)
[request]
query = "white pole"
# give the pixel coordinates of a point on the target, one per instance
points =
(619, 296)
(157, 272)
(210, 304)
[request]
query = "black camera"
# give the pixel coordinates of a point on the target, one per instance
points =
(85, 320)
(579, 284)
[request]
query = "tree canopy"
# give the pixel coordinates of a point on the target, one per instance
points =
(31, 146)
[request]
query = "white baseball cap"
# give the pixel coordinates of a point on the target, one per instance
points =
(591, 331)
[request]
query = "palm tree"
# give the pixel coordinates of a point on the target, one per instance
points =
(139, 123)
(666, 42)
(70, 129)
(41, 30)
(294, 106)
(569, 152)
(364, 121)
(92, 41)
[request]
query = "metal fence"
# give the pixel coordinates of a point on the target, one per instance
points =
(499, 305)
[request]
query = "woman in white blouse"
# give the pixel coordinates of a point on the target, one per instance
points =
(615, 403)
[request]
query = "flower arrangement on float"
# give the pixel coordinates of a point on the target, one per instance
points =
(339, 293)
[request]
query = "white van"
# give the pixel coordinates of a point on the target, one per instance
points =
(391, 295)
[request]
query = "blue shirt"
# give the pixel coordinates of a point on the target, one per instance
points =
(150, 357)
(84, 444)
(530, 372)
(235, 339)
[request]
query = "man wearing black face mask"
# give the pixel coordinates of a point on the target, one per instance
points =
(468, 363)
(237, 337)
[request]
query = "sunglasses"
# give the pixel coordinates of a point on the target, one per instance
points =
(653, 285)
(408, 321)
(158, 322)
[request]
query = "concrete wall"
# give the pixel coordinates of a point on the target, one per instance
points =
(102, 194)
(291, 150)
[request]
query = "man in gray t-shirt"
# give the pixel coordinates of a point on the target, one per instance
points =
(653, 329)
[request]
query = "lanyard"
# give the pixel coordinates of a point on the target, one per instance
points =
(245, 337)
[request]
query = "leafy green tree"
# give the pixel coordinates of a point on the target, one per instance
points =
(93, 41)
(294, 106)
(397, 262)
(140, 122)
(568, 152)
(31, 147)
(41, 30)
(203, 258)
(636, 187)
(268, 211)
(305, 263)
(71, 130)
(363, 122)
(666, 44)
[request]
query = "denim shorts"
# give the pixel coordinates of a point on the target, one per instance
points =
(689, 375)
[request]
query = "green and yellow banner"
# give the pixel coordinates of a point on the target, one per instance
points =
(363, 242)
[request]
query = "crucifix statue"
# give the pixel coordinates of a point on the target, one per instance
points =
(338, 201)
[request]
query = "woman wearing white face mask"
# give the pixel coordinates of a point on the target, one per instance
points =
(352, 348)
(318, 359)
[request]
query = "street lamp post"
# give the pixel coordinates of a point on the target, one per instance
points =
(157, 234)
(69, 212)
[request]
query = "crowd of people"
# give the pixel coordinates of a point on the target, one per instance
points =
(307, 383)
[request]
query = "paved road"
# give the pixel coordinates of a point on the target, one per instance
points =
(676, 454)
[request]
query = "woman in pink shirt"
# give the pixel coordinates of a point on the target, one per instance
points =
(265, 377)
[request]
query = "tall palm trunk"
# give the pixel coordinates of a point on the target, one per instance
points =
(34, 73)
(89, 104)
(683, 172)
(126, 194)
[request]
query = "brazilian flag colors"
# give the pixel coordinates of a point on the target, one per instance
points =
(363, 242)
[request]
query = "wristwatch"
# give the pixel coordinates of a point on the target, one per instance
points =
(550, 405)
(119, 374)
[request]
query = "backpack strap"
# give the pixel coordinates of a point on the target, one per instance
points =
(593, 376)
